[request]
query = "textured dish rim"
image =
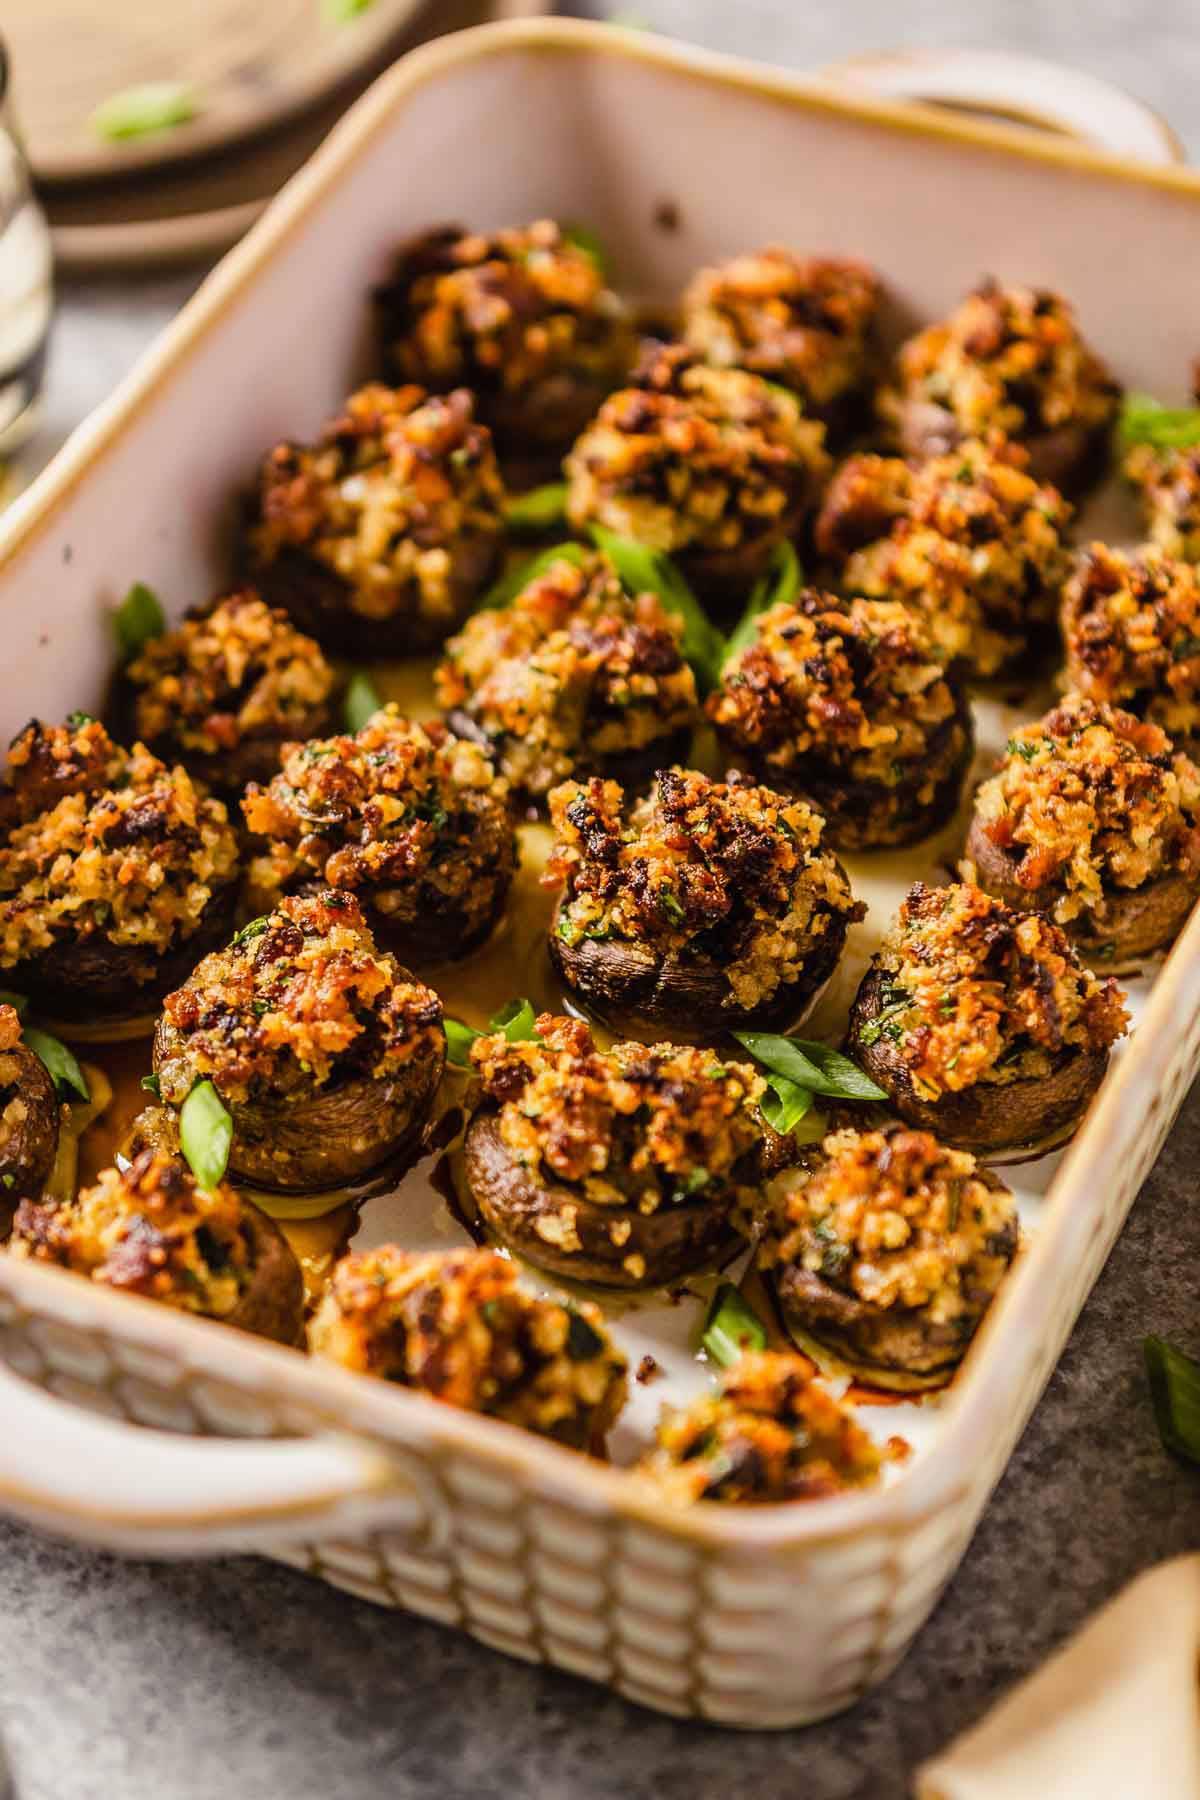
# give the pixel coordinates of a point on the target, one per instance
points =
(945, 1471)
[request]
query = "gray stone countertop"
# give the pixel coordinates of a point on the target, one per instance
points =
(131, 1681)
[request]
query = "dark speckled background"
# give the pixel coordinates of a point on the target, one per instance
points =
(128, 1681)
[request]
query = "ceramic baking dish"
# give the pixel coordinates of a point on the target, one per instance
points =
(758, 1617)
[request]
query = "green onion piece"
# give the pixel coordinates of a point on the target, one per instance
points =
(541, 509)
(77, 720)
(254, 929)
(459, 1038)
(205, 1134)
(1175, 1390)
(732, 1327)
(514, 582)
(138, 111)
(781, 581)
(812, 1066)
(585, 239)
(516, 1020)
(139, 618)
(340, 12)
(66, 1073)
(151, 1085)
(362, 702)
(645, 571)
(784, 1104)
(1145, 421)
(18, 1002)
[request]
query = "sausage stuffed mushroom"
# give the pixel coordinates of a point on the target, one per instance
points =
(30, 1119)
(458, 1327)
(980, 1023)
(1093, 818)
(621, 1167)
(709, 905)
(380, 538)
(1131, 626)
(325, 1052)
(847, 702)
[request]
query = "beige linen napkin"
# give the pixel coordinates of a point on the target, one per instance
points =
(1114, 1716)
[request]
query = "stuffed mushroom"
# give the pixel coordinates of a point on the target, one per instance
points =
(1131, 626)
(709, 905)
(716, 467)
(380, 538)
(769, 1433)
(970, 540)
(324, 1051)
(621, 1167)
(1008, 362)
(807, 322)
(523, 317)
(150, 1229)
(410, 819)
(573, 677)
(226, 690)
(980, 1023)
(888, 1247)
(848, 703)
(1166, 479)
(1093, 818)
(459, 1327)
(116, 873)
(30, 1120)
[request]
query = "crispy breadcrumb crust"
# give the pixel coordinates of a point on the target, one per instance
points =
(29, 1115)
(768, 1433)
(572, 670)
(1090, 798)
(646, 1125)
(1131, 626)
(1168, 486)
(978, 993)
(101, 842)
(729, 871)
(457, 1326)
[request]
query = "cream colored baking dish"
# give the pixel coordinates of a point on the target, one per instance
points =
(763, 1617)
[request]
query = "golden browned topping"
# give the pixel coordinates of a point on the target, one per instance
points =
(1090, 798)
(854, 685)
(691, 458)
(572, 670)
(103, 842)
(898, 1221)
(15, 1102)
(970, 539)
(149, 1230)
(768, 1433)
(805, 321)
(1131, 622)
(639, 1124)
(1008, 360)
(457, 1326)
(974, 992)
(512, 312)
(299, 1000)
(385, 500)
(239, 671)
(1168, 484)
(727, 870)
(404, 814)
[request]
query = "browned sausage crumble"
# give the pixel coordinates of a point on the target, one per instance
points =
(768, 1433)
(1131, 622)
(974, 992)
(728, 870)
(457, 1326)
(970, 539)
(573, 672)
(97, 842)
(1089, 799)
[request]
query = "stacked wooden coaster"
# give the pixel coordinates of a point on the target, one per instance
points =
(261, 84)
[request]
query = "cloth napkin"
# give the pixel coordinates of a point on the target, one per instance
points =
(1113, 1716)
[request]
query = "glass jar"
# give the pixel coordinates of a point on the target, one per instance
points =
(26, 284)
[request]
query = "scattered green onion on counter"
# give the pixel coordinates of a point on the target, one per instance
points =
(150, 106)
(1175, 1390)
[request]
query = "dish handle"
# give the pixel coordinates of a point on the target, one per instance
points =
(97, 1480)
(1024, 89)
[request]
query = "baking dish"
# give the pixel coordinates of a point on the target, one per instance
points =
(765, 1617)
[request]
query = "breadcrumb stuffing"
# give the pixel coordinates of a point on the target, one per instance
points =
(1168, 486)
(1131, 625)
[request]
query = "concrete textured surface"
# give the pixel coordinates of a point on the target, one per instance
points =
(128, 1681)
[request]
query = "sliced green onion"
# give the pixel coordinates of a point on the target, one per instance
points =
(249, 932)
(77, 719)
(151, 106)
(205, 1134)
(518, 578)
(812, 1066)
(459, 1038)
(361, 703)
(517, 1020)
(731, 1327)
(65, 1072)
(18, 1002)
(139, 618)
(340, 12)
(1175, 1390)
(781, 581)
(1145, 421)
(644, 571)
(151, 1085)
(541, 509)
(585, 239)
(785, 1103)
